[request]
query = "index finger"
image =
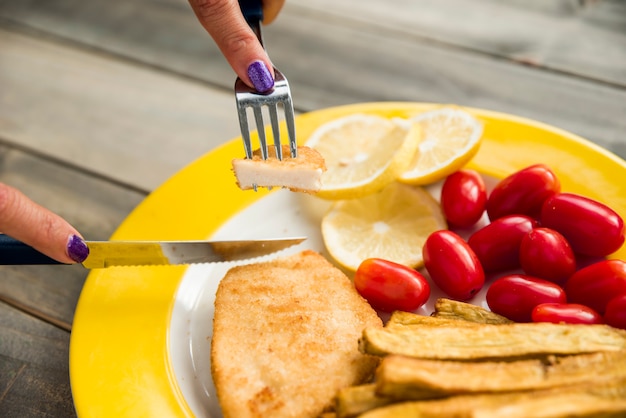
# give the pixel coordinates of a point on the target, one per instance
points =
(34, 225)
(224, 21)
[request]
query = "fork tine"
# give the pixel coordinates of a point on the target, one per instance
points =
(291, 128)
(245, 132)
(275, 130)
(258, 116)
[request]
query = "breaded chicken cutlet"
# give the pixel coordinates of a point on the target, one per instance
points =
(300, 174)
(285, 337)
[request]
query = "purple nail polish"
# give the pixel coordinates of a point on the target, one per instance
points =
(260, 76)
(77, 250)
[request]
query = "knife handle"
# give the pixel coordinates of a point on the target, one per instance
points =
(14, 252)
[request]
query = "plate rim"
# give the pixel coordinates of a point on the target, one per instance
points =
(143, 380)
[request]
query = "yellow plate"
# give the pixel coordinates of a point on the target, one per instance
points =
(120, 360)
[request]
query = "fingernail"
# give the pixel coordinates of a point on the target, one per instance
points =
(77, 249)
(260, 76)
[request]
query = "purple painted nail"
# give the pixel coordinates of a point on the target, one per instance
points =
(77, 250)
(260, 76)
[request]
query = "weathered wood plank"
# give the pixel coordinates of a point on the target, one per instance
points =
(333, 61)
(578, 37)
(31, 341)
(34, 372)
(586, 38)
(10, 370)
(39, 392)
(94, 206)
(129, 123)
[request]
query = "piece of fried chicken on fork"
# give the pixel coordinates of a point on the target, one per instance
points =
(300, 174)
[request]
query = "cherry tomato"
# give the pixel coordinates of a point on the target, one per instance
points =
(390, 286)
(596, 284)
(463, 198)
(516, 295)
(452, 265)
(497, 245)
(523, 192)
(615, 314)
(546, 254)
(565, 313)
(590, 227)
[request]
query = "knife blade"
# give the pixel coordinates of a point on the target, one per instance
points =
(150, 253)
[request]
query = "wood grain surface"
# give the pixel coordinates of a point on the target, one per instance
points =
(102, 101)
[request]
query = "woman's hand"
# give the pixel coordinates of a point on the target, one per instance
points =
(228, 28)
(25, 220)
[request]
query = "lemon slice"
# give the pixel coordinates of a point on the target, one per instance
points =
(363, 153)
(451, 137)
(392, 224)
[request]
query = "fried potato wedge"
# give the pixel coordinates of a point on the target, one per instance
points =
(412, 378)
(401, 319)
(355, 400)
(491, 341)
(582, 401)
(452, 309)
(467, 362)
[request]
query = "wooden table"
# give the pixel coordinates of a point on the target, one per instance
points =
(102, 101)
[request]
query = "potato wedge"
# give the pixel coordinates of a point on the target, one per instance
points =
(491, 341)
(583, 400)
(355, 400)
(452, 309)
(401, 319)
(412, 378)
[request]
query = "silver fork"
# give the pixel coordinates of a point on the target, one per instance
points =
(248, 97)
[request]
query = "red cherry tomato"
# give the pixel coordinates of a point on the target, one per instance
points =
(596, 284)
(546, 254)
(590, 227)
(497, 245)
(390, 286)
(615, 314)
(463, 198)
(523, 192)
(452, 265)
(516, 295)
(565, 313)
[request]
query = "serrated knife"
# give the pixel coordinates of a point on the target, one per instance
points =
(150, 253)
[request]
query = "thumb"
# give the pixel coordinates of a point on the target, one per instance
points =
(224, 21)
(34, 225)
